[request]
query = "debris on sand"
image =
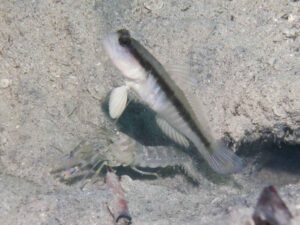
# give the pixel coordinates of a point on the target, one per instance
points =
(118, 205)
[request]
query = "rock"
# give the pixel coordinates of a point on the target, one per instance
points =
(270, 209)
(5, 83)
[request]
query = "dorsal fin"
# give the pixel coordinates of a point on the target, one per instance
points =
(180, 74)
(171, 132)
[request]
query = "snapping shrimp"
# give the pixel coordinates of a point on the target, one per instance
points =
(123, 151)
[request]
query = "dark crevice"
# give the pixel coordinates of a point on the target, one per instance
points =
(269, 159)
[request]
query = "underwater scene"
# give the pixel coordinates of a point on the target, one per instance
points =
(150, 112)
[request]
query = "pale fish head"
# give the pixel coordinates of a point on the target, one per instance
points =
(117, 45)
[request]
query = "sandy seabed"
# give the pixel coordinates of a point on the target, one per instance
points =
(55, 76)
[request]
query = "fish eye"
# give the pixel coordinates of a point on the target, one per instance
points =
(124, 37)
(124, 41)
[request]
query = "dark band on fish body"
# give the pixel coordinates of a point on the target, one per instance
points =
(126, 41)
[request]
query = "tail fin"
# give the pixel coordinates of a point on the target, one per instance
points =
(224, 161)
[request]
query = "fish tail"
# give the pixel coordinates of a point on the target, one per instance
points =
(224, 161)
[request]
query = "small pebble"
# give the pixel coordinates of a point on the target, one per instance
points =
(125, 183)
(298, 210)
(5, 83)
(288, 17)
(249, 222)
(153, 5)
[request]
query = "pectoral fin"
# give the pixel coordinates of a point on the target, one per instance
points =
(117, 101)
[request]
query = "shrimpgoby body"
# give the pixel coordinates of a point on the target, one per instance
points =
(148, 78)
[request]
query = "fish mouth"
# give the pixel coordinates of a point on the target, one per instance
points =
(117, 40)
(108, 43)
(114, 45)
(118, 47)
